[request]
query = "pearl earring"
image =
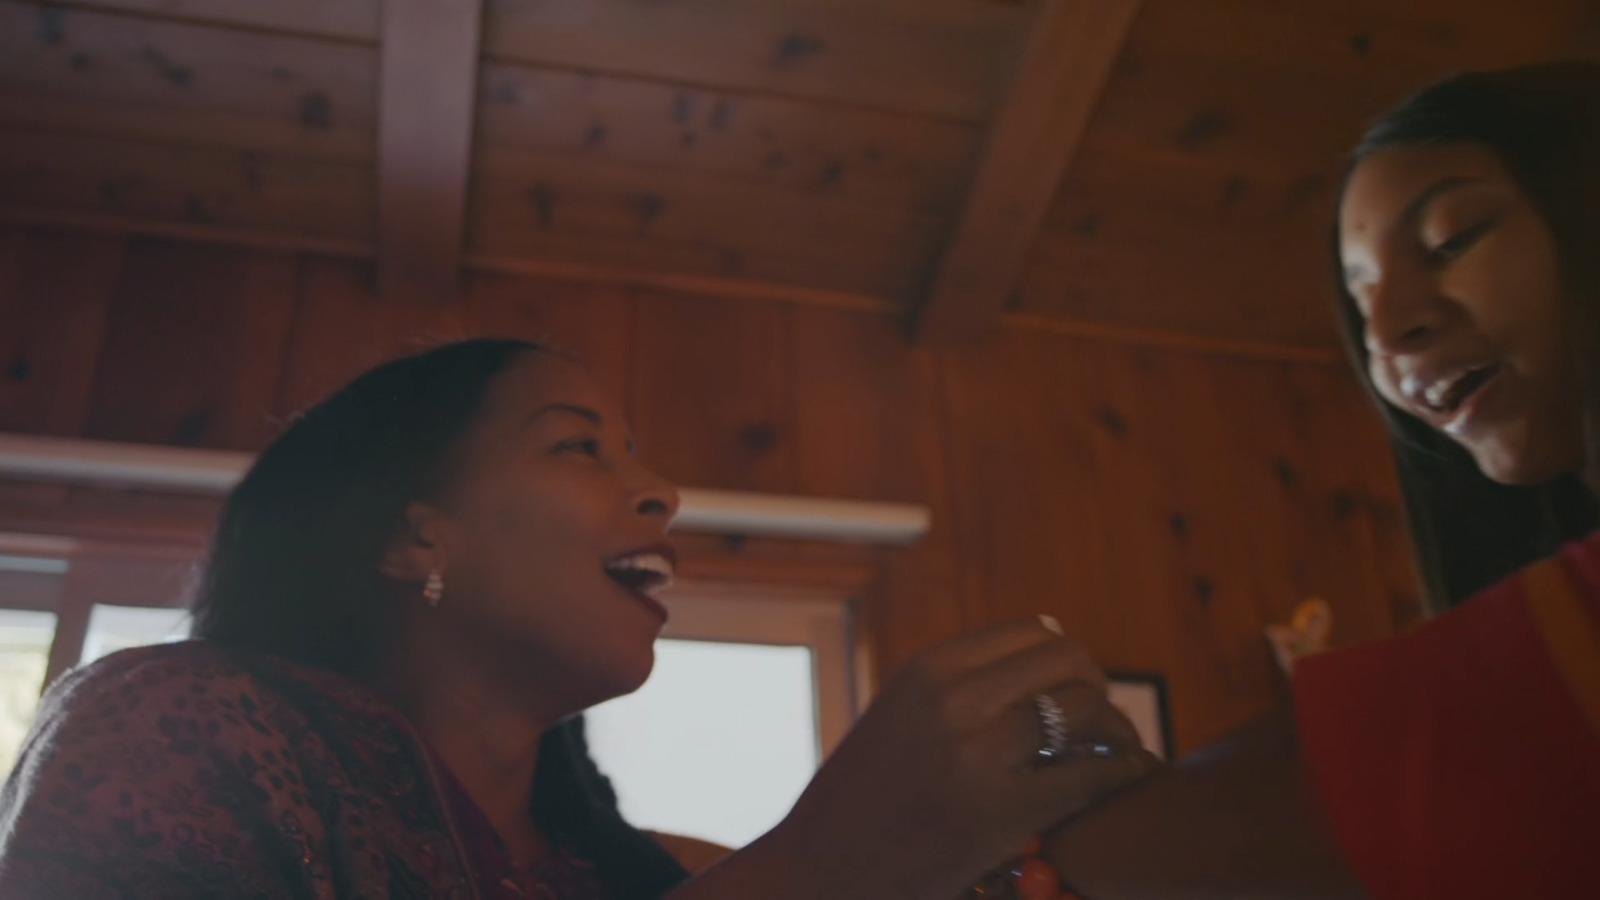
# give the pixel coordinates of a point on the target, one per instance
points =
(433, 591)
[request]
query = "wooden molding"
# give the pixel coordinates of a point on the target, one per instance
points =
(196, 232)
(1265, 351)
(701, 285)
(1032, 142)
(427, 93)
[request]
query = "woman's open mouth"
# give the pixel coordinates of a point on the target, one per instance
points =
(1454, 400)
(1446, 396)
(645, 574)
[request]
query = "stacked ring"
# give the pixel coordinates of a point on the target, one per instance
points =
(1057, 744)
(1053, 722)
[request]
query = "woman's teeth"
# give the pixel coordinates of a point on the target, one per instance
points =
(650, 573)
(1437, 393)
(1448, 395)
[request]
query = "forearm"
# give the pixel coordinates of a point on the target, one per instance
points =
(1234, 820)
(775, 867)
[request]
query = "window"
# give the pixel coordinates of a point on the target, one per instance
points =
(29, 588)
(25, 637)
(63, 602)
(718, 744)
(752, 688)
(113, 628)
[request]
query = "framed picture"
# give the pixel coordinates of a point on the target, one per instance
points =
(1142, 697)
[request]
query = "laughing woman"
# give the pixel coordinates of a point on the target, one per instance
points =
(1462, 760)
(410, 597)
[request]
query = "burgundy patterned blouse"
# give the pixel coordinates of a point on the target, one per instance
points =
(187, 770)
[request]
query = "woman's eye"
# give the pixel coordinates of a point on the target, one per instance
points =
(586, 446)
(1459, 243)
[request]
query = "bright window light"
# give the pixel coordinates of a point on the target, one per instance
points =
(25, 637)
(717, 745)
(113, 628)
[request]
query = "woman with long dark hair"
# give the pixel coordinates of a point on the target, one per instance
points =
(410, 597)
(1462, 760)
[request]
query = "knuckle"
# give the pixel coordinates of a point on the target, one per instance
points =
(959, 709)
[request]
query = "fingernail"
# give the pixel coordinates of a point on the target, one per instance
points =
(1050, 624)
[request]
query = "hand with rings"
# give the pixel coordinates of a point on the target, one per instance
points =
(971, 751)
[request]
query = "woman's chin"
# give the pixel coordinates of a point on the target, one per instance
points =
(626, 674)
(1523, 467)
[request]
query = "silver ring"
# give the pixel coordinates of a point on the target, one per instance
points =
(1057, 744)
(1053, 723)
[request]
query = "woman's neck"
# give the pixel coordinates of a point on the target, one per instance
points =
(487, 736)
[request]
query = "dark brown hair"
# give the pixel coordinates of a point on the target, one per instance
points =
(1543, 122)
(294, 568)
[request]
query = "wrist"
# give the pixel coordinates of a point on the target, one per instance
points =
(812, 868)
(783, 864)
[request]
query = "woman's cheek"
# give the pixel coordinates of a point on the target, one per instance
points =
(1386, 380)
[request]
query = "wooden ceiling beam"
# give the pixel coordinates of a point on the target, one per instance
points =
(427, 93)
(1070, 54)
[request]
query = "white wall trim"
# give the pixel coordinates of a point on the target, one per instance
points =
(186, 470)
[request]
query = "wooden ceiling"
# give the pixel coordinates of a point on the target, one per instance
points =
(1120, 166)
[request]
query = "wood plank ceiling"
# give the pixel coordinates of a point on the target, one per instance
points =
(891, 155)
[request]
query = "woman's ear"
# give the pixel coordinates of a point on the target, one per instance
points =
(416, 549)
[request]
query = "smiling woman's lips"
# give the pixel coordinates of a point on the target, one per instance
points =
(647, 571)
(1442, 392)
(1455, 394)
(651, 604)
(644, 574)
(1463, 413)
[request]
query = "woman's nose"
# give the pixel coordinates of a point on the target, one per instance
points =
(658, 498)
(1404, 313)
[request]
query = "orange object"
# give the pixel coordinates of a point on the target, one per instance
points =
(1037, 881)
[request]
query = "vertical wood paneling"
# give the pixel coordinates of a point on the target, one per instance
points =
(589, 321)
(1027, 488)
(195, 346)
(1162, 504)
(343, 328)
(1166, 505)
(1334, 417)
(1218, 662)
(1319, 484)
(709, 392)
(54, 292)
(867, 425)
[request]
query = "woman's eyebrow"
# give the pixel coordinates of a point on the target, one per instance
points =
(569, 408)
(1419, 204)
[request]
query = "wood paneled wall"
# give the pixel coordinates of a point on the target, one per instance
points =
(1162, 503)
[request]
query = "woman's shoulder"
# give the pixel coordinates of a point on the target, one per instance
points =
(150, 709)
(153, 664)
(135, 762)
(134, 687)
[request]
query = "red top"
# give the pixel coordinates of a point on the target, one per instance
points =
(1463, 760)
(188, 770)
